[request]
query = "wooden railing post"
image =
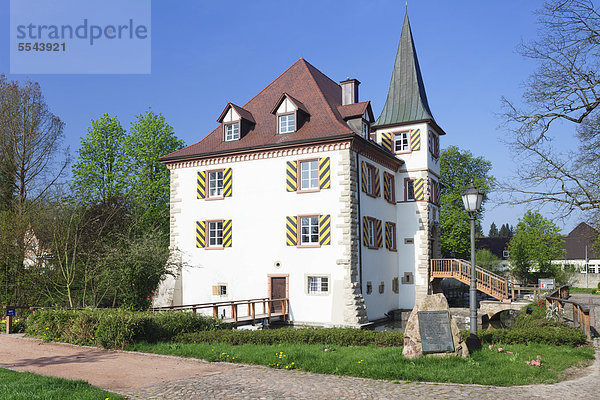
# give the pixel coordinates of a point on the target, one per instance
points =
(216, 311)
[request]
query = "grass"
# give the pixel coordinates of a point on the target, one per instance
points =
(584, 290)
(27, 386)
(483, 367)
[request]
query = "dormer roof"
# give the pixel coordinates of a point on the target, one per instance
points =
(243, 113)
(297, 103)
(356, 110)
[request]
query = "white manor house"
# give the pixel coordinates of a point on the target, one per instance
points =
(301, 193)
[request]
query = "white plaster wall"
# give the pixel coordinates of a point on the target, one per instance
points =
(258, 209)
(378, 265)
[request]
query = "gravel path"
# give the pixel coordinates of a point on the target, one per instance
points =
(146, 376)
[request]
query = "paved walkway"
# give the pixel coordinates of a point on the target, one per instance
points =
(145, 376)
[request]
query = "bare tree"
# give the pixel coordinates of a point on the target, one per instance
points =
(563, 93)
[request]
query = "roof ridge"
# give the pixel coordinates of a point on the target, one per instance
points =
(309, 67)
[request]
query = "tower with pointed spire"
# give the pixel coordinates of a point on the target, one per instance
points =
(406, 127)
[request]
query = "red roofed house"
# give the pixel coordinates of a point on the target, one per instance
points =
(301, 193)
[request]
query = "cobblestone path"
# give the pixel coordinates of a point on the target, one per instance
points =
(257, 382)
(145, 376)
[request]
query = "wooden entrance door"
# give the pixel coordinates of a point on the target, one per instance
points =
(278, 291)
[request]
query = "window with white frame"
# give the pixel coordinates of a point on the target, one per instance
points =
(232, 131)
(371, 228)
(401, 142)
(318, 284)
(309, 175)
(309, 230)
(370, 178)
(287, 123)
(592, 269)
(215, 234)
(410, 189)
(505, 253)
(215, 184)
(365, 130)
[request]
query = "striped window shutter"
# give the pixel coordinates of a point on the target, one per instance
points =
(215, 290)
(377, 183)
(201, 185)
(364, 176)
(365, 231)
(325, 230)
(430, 189)
(291, 230)
(378, 233)
(437, 192)
(386, 141)
(388, 235)
(291, 179)
(386, 186)
(419, 189)
(227, 182)
(200, 234)
(415, 140)
(227, 233)
(324, 173)
(430, 142)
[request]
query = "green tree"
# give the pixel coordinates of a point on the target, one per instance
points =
(487, 260)
(505, 231)
(100, 174)
(536, 242)
(458, 169)
(150, 137)
(493, 231)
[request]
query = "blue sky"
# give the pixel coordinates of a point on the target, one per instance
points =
(205, 54)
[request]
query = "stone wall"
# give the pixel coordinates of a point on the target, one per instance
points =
(354, 305)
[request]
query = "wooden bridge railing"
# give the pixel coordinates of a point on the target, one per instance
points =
(270, 308)
(487, 282)
(581, 312)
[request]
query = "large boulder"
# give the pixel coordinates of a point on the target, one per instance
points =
(412, 334)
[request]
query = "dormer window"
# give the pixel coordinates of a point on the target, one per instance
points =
(236, 122)
(232, 131)
(287, 123)
(365, 129)
(290, 113)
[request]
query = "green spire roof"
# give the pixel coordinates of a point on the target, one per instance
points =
(406, 99)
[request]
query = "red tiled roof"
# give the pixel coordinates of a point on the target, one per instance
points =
(320, 96)
(355, 110)
(245, 114)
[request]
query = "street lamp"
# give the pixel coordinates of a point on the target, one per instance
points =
(472, 199)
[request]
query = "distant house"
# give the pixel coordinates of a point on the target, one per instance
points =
(579, 245)
(498, 246)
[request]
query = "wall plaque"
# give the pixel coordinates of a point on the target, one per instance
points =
(436, 335)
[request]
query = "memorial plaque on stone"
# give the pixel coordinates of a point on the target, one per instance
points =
(436, 334)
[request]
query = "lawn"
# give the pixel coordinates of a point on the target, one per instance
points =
(584, 290)
(487, 367)
(26, 386)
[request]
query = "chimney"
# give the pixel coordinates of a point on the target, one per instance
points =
(349, 91)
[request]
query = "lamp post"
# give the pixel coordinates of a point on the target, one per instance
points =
(472, 199)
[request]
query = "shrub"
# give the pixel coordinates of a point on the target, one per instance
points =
(537, 317)
(553, 335)
(329, 336)
(114, 328)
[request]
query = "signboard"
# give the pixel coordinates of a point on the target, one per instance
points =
(546, 284)
(11, 312)
(436, 335)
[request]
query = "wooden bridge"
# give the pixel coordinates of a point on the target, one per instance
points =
(241, 311)
(487, 282)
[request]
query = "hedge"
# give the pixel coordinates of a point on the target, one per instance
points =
(114, 328)
(553, 335)
(328, 336)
